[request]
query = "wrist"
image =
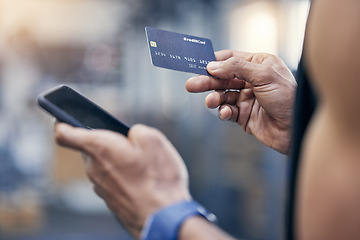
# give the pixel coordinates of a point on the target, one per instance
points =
(166, 222)
(196, 227)
(190, 228)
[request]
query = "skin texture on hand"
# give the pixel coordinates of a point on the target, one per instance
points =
(255, 90)
(135, 176)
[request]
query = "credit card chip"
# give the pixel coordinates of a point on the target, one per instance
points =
(153, 44)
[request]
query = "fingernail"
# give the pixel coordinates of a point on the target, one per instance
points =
(213, 66)
(221, 115)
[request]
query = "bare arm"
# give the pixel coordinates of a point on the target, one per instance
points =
(199, 228)
(329, 186)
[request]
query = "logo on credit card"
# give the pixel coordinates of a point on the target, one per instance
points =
(194, 40)
(179, 51)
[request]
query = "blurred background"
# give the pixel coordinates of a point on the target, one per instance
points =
(99, 48)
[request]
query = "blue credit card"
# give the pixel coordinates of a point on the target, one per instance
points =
(178, 51)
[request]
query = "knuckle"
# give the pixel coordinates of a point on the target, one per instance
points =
(135, 131)
(147, 135)
(266, 74)
(153, 137)
(98, 145)
(97, 150)
(89, 142)
(234, 65)
(260, 57)
(102, 150)
(236, 62)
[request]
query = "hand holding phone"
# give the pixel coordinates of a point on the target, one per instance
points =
(69, 106)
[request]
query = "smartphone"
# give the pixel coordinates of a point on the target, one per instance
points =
(69, 106)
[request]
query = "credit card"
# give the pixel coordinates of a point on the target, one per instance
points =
(178, 51)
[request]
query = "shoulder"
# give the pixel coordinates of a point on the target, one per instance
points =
(333, 58)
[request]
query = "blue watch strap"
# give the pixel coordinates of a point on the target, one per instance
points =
(166, 222)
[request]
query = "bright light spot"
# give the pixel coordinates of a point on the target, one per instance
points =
(253, 28)
(296, 14)
(61, 22)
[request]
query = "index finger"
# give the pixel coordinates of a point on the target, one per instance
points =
(226, 54)
(204, 83)
(89, 141)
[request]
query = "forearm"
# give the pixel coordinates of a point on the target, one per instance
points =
(197, 227)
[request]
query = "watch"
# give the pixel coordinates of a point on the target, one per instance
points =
(166, 222)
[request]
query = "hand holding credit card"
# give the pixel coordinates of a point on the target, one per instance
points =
(179, 52)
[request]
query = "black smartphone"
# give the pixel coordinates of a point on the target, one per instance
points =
(69, 106)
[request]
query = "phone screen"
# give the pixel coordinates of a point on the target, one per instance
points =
(67, 101)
